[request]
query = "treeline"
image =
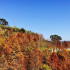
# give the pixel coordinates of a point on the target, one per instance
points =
(25, 50)
(22, 51)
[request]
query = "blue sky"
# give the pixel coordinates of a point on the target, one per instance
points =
(47, 17)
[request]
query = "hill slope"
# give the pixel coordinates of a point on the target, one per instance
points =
(29, 51)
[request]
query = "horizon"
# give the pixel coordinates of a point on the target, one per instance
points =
(47, 17)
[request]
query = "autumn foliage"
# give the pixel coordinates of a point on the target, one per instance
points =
(23, 51)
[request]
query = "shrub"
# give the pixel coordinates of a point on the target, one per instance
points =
(22, 30)
(45, 67)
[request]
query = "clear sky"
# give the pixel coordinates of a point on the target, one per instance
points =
(47, 17)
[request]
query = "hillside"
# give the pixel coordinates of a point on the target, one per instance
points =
(21, 49)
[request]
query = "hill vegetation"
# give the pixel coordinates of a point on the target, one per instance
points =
(25, 50)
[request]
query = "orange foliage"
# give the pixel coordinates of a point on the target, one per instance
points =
(21, 51)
